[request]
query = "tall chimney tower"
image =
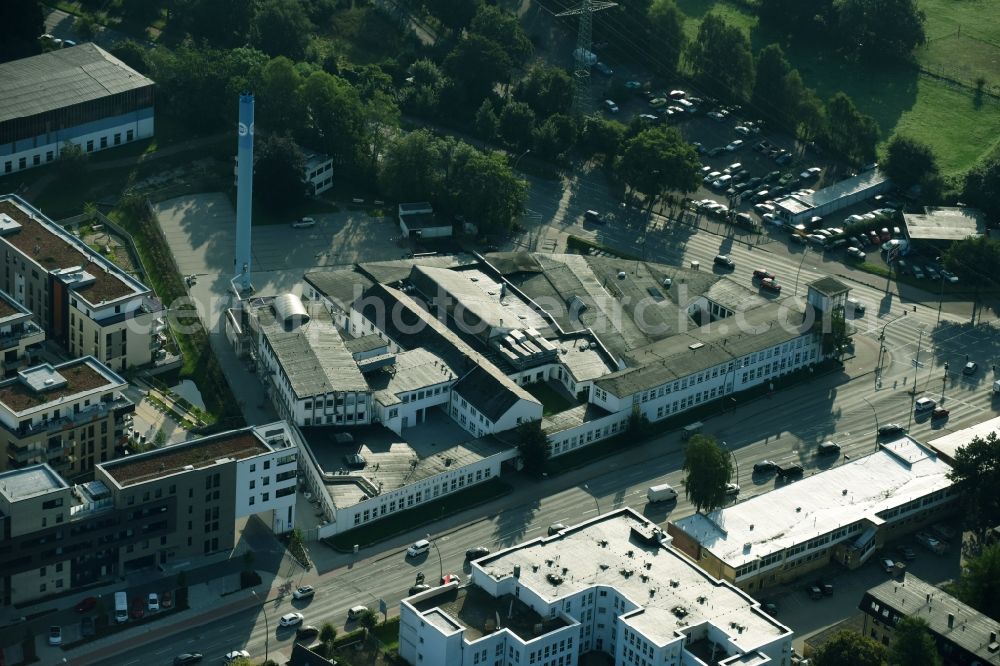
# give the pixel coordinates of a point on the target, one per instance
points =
(244, 193)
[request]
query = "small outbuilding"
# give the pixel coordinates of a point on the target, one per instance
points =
(939, 225)
(417, 220)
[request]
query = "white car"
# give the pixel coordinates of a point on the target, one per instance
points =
(291, 619)
(711, 177)
(234, 655)
(855, 253)
(610, 106)
(732, 489)
(304, 592)
(154, 602)
(735, 145)
(740, 129)
(888, 566)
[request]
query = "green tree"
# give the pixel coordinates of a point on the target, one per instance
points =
(721, 58)
(517, 123)
(337, 117)
(657, 160)
(476, 64)
(880, 28)
(809, 112)
(410, 170)
(556, 136)
(981, 186)
(707, 469)
(849, 648)
(602, 136)
(382, 116)
(910, 162)
(502, 27)
(277, 172)
(849, 132)
(143, 12)
(132, 53)
(277, 109)
(72, 158)
(327, 634)
(486, 121)
(976, 475)
(368, 621)
(776, 93)
(979, 585)
(547, 90)
(802, 18)
(533, 446)
(485, 189)
(913, 644)
(974, 261)
(281, 27)
(222, 23)
(423, 95)
(86, 26)
(665, 24)
(21, 22)
(453, 14)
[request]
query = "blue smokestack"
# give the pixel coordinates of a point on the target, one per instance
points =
(244, 192)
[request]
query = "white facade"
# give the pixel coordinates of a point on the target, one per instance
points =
(318, 173)
(267, 482)
(478, 424)
(125, 130)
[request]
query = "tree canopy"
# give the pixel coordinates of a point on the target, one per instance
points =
(879, 28)
(979, 585)
(913, 644)
(657, 160)
(278, 171)
(546, 90)
(911, 162)
(849, 132)
(849, 648)
(721, 58)
(976, 470)
(665, 24)
(981, 186)
(707, 469)
(282, 27)
(533, 446)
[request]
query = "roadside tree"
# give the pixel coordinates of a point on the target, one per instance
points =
(658, 160)
(476, 64)
(913, 644)
(486, 121)
(974, 261)
(849, 648)
(277, 172)
(517, 123)
(546, 90)
(911, 162)
(424, 94)
(768, 95)
(336, 118)
(849, 132)
(976, 475)
(486, 190)
(707, 470)
(979, 585)
(721, 59)
(556, 136)
(410, 169)
(602, 136)
(503, 28)
(981, 187)
(533, 446)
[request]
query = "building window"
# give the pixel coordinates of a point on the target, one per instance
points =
(118, 138)
(129, 135)
(90, 146)
(104, 142)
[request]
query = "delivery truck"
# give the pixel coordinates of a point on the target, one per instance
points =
(661, 493)
(121, 607)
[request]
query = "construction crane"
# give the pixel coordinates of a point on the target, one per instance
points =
(583, 57)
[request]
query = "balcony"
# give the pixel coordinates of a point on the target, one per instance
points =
(119, 406)
(13, 337)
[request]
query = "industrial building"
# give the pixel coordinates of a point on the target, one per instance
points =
(797, 208)
(84, 302)
(963, 635)
(154, 509)
(842, 515)
(81, 95)
(417, 220)
(612, 585)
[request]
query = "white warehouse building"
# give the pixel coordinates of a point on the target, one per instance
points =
(613, 584)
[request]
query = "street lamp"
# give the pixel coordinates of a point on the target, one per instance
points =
(440, 563)
(518, 159)
(596, 503)
(916, 366)
(736, 462)
(881, 344)
(267, 625)
(875, 412)
(805, 253)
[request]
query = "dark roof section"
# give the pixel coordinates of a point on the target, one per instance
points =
(507, 263)
(198, 454)
(829, 286)
(53, 251)
(62, 78)
(424, 221)
(485, 393)
(9, 307)
(79, 376)
(365, 343)
(341, 287)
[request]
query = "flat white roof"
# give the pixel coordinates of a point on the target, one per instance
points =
(606, 551)
(948, 445)
(901, 471)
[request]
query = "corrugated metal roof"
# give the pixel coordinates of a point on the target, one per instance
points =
(57, 79)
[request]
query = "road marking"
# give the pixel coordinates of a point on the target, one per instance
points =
(228, 626)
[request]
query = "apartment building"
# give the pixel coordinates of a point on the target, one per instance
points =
(83, 301)
(71, 416)
(154, 509)
(19, 335)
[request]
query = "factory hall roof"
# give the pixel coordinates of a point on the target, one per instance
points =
(62, 78)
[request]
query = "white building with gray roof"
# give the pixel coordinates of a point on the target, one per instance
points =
(613, 584)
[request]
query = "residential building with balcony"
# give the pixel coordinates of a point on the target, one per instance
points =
(71, 416)
(156, 509)
(19, 335)
(83, 301)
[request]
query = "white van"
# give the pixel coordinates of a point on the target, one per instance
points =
(121, 607)
(418, 548)
(923, 404)
(661, 493)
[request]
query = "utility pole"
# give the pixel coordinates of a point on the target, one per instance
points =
(916, 365)
(582, 54)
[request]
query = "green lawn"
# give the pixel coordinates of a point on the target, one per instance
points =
(552, 401)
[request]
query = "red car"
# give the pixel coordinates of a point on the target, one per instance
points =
(86, 604)
(940, 413)
(770, 285)
(138, 608)
(761, 274)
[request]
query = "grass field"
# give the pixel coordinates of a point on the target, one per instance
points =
(962, 45)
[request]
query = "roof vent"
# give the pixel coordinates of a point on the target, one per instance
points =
(798, 509)
(844, 491)
(696, 345)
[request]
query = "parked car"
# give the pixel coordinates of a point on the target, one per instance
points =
(447, 579)
(657, 102)
(610, 106)
(603, 69)
(888, 565)
(765, 466)
(307, 632)
(304, 592)
(855, 253)
(234, 655)
(476, 553)
(732, 489)
(890, 429)
(970, 368)
(187, 658)
(556, 528)
(55, 635)
(86, 604)
(355, 460)
(942, 532)
(930, 543)
(940, 413)
(762, 274)
(735, 145)
(138, 608)
(769, 284)
(829, 447)
(291, 619)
